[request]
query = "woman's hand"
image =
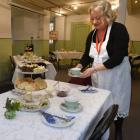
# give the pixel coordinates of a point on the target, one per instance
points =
(79, 66)
(87, 72)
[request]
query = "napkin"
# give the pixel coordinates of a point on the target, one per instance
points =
(88, 89)
(50, 118)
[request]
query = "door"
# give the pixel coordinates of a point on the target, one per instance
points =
(79, 32)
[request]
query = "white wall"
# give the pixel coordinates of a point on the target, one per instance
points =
(63, 25)
(5, 19)
(122, 11)
(60, 27)
(46, 21)
(133, 26)
(26, 26)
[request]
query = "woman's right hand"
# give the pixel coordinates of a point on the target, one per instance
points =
(87, 73)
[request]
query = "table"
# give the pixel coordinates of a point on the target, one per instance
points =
(68, 55)
(50, 74)
(29, 126)
(72, 55)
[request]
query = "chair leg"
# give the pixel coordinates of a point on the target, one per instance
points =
(58, 65)
(118, 129)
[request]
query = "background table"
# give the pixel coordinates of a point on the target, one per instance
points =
(29, 126)
(68, 55)
(50, 74)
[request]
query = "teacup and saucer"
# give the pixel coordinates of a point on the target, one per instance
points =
(75, 72)
(71, 104)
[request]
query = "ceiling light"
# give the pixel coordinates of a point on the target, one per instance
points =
(75, 7)
(58, 14)
(136, 1)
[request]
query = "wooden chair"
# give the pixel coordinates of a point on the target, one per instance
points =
(95, 133)
(52, 58)
(6, 86)
(74, 62)
(12, 62)
(13, 66)
(135, 65)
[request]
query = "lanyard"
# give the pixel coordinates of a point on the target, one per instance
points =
(98, 47)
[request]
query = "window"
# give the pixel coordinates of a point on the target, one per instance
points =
(51, 28)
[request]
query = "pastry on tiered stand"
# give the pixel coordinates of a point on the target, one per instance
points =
(28, 84)
(31, 102)
(32, 68)
(28, 67)
(29, 57)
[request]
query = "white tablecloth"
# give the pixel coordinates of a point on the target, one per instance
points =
(68, 55)
(29, 126)
(50, 74)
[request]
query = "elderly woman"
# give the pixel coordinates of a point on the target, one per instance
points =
(107, 50)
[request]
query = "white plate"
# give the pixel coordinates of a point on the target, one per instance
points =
(73, 75)
(58, 123)
(71, 110)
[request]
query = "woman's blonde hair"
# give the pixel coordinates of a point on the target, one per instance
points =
(105, 7)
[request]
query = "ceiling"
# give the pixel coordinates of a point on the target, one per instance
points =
(133, 6)
(65, 7)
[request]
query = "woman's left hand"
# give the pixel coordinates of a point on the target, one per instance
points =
(87, 73)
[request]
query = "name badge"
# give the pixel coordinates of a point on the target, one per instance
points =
(98, 60)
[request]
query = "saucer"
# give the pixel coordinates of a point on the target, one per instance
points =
(64, 107)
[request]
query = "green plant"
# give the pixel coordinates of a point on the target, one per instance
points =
(11, 107)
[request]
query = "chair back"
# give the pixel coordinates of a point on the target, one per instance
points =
(95, 133)
(6, 86)
(12, 62)
(13, 66)
(52, 57)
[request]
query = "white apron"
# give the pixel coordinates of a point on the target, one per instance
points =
(117, 79)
